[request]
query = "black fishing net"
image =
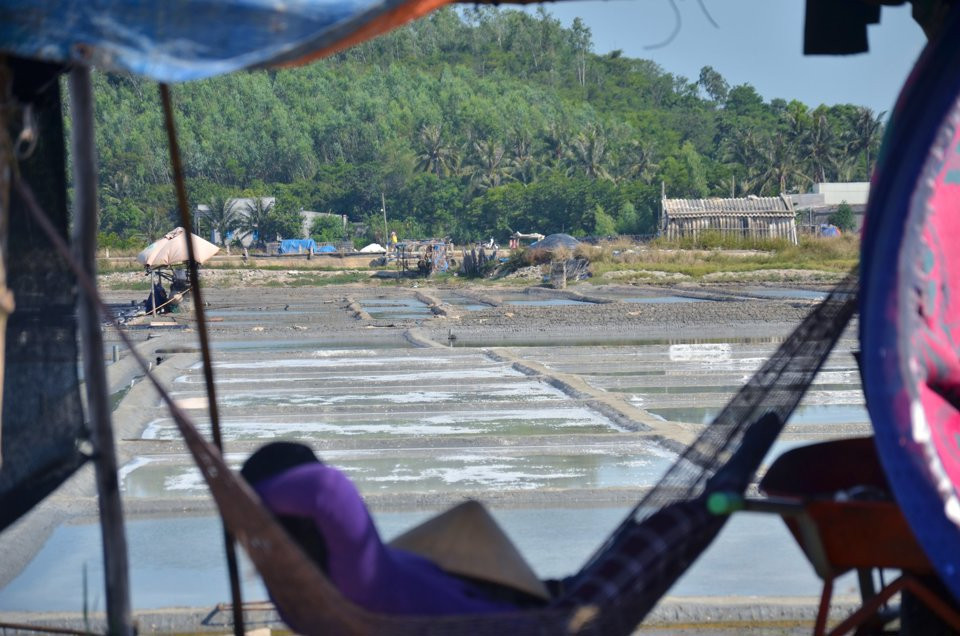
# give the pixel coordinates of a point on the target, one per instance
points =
(42, 415)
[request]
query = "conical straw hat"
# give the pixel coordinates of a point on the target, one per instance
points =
(466, 540)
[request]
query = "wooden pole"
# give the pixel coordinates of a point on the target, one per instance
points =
(233, 569)
(383, 208)
(95, 376)
(6, 172)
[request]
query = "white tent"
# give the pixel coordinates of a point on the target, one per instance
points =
(172, 249)
(374, 248)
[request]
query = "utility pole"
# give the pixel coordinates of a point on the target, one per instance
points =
(383, 208)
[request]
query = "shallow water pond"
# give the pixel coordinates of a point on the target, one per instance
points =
(463, 470)
(490, 421)
(180, 562)
(812, 414)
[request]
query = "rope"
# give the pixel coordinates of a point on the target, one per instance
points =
(187, 223)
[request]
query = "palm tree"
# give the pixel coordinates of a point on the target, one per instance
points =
(866, 133)
(488, 170)
(257, 221)
(222, 216)
(589, 152)
(782, 166)
(522, 165)
(556, 144)
(435, 155)
(153, 224)
(819, 147)
(637, 161)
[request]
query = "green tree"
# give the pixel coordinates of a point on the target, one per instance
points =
(327, 229)
(843, 217)
(713, 84)
(603, 223)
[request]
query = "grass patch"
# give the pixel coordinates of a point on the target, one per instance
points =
(666, 259)
(317, 280)
(139, 286)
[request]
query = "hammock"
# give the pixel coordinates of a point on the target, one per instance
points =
(647, 553)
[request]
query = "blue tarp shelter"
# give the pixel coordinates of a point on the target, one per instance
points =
(297, 246)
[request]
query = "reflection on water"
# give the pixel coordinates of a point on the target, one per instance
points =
(180, 562)
(396, 308)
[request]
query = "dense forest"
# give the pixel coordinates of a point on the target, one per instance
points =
(471, 123)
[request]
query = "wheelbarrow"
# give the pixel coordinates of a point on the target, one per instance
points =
(835, 500)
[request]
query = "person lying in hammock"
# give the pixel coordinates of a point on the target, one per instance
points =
(457, 563)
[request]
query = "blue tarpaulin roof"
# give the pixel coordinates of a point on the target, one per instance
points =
(297, 246)
(326, 249)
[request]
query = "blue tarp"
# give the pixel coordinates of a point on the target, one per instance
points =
(297, 246)
(180, 40)
(326, 249)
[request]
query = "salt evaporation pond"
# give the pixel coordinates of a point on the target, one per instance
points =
(464, 471)
(383, 409)
(491, 421)
(395, 308)
(179, 561)
(809, 414)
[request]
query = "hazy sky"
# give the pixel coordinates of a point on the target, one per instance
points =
(758, 42)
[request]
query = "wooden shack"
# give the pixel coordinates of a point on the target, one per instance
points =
(747, 217)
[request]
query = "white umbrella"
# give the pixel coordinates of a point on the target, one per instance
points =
(172, 248)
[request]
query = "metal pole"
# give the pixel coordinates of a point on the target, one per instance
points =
(95, 377)
(181, 190)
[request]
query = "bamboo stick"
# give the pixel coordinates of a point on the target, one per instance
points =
(233, 568)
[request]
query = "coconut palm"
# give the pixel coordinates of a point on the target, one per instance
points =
(258, 220)
(589, 153)
(153, 224)
(637, 161)
(556, 144)
(866, 133)
(522, 165)
(819, 146)
(488, 167)
(435, 154)
(782, 167)
(222, 217)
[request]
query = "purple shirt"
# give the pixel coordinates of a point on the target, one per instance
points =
(369, 573)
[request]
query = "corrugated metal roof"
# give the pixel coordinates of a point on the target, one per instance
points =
(753, 206)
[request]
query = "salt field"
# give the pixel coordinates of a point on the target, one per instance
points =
(558, 429)
(177, 561)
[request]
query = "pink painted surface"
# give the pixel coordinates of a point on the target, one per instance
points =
(936, 341)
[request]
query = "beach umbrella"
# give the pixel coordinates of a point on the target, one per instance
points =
(172, 249)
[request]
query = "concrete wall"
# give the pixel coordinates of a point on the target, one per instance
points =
(854, 193)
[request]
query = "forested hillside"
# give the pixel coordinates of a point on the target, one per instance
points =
(471, 124)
